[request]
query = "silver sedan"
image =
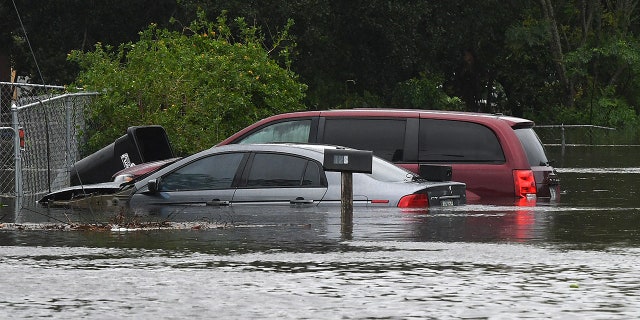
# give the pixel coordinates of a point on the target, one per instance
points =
(284, 174)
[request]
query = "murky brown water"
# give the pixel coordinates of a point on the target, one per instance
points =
(576, 258)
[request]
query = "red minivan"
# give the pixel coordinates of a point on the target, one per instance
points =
(497, 156)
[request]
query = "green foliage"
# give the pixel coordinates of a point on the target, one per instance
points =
(365, 99)
(599, 97)
(602, 63)
(201, 84)
(424, 92)
(602, 109)
(493, 55)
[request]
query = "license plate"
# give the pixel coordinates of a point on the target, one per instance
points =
(446, 203)
(554, 194)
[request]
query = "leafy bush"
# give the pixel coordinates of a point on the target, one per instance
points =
(201, 84)
(424, 92)
(604, 109)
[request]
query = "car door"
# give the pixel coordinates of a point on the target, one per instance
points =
(205, 181)
(281, 179)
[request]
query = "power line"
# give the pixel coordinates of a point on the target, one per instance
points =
(28, 42)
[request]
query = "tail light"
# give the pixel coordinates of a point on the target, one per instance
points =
(524, 182)
(416, 200)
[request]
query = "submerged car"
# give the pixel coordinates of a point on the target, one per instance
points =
(272, 174)
(497, 156)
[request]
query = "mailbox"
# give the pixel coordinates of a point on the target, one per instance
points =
(347, 160)
(140, 144)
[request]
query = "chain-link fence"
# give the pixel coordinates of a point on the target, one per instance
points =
(43, 123)
(586, 135)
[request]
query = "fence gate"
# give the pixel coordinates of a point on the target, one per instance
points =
(39, 131)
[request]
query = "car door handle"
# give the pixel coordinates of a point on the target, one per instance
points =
(217, 203)
(301, 200)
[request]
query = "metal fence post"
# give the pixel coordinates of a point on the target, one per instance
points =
(67, 108)
(45, 116)
(17, 151)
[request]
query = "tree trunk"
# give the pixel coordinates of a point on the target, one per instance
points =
(556, 52)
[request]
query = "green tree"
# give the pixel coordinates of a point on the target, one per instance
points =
(424, 92)
(586, 58)
(202, 83)
(350, 53)
(549, 60)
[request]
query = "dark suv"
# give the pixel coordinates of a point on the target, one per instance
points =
(497, 156)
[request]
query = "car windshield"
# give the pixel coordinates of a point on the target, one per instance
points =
(532, 146)
(386, 171)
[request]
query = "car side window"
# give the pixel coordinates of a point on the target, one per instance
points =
(458, 142)
(385, 137)
(280, 170)
(287, 131)
(213, 172)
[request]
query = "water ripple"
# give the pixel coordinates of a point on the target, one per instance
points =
(362, 280)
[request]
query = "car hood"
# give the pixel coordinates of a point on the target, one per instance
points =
(81, 191)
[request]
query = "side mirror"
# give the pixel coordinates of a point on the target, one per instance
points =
(153, 185)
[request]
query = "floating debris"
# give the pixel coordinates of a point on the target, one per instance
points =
(107, 227)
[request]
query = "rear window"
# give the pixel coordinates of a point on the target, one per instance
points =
(385, 137)
(532, 146)
(458, 142)
(386, 171)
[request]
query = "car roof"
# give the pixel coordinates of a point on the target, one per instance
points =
(301, 148)
(408, 113)
(492, 120)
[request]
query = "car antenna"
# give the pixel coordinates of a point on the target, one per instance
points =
(84, 193)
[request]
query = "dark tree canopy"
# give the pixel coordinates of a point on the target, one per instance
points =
(54, 28)
(551, 60)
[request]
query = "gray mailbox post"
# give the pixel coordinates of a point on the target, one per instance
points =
(347, 161)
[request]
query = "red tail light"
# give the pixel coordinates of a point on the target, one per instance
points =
(416, 200)
(524, 182)
(21, 136)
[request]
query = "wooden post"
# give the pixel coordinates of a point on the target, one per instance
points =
(347, 205)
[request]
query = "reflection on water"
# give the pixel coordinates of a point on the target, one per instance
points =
(573, 258)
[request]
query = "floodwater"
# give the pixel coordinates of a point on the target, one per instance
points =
(575, 258)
